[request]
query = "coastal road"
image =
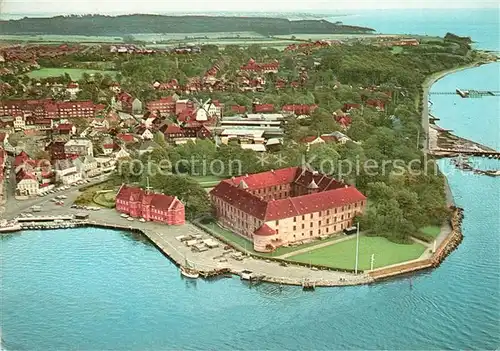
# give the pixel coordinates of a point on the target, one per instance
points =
(14, 207)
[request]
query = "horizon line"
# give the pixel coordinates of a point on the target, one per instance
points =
(295, 11)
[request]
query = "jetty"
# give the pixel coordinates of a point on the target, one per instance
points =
(465, 165)
(467, 93)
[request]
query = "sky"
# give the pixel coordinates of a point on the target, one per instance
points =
(165, 6)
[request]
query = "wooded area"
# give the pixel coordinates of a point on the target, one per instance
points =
(134, 24)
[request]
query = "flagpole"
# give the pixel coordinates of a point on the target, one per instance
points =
(357, 249)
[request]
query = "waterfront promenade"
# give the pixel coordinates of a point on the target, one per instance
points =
(164, 238)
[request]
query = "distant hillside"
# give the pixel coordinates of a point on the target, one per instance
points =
(131, 24)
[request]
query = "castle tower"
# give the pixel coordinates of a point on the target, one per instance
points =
(312, 188)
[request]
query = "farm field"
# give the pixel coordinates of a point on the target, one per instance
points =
(75, 73)
(186, 36)
(343, 254)
(53, 39)
(300, 36)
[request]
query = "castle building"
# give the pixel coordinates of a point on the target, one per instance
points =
(284, 206)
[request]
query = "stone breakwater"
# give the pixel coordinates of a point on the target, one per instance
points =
(453, 240)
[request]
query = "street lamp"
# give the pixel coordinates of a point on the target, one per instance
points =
(357, 249)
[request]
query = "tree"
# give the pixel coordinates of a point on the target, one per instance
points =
(324, 158)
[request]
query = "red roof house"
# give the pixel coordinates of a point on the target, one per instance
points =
(262, 108)
(238, 108)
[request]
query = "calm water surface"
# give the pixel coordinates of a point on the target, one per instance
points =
(94, 289)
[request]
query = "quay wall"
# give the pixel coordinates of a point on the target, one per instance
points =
(275, 259)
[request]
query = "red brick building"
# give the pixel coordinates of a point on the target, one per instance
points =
(165, 106)
(262, 108)
(299, 109)
(253, 66)
(50, 109)
(285, 206)
(139, 203)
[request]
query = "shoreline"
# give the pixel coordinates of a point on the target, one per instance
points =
(221, 260)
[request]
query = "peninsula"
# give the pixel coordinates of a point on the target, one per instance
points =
(100, 25)
(275, 155)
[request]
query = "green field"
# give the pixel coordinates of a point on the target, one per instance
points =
(431, 230)
(194, 36)
(75, 73)
(46, 39)
(342, 255)
(207, 181)
(397, 49)
(106, 200)
(246, 244)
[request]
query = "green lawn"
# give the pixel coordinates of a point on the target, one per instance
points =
(431, 230)
(207, 181)
(53, 39)
(75, 73)
(342, 255)
(245, 244)
(396, 49)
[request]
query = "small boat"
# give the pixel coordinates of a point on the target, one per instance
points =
(308, 285)
(189, 272)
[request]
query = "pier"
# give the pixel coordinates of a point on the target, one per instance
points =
(441, 152)
(468, 93)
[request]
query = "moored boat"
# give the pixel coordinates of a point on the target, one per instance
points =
(189, 272)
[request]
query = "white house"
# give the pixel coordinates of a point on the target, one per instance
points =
(105, 164)
(209, 109)
(87, 166)
(72, 88)
(147, 135)
(27, 184)
(19, 122)
(122, 153)
(66, 172)
(79, 147)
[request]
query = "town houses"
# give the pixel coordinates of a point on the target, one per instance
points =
(139, 203)
(285, 206)
(50, 109)
(253, 66)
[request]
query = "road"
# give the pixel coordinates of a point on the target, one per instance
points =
(14, 207)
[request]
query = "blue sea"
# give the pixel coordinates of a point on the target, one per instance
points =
(92, 289)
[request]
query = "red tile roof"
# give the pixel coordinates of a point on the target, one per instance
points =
(128, 138)
(65, 126)
(158, 201)
(265, 230)
(330, 194)
(257, 108)
(173, 129)
(238, 108)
